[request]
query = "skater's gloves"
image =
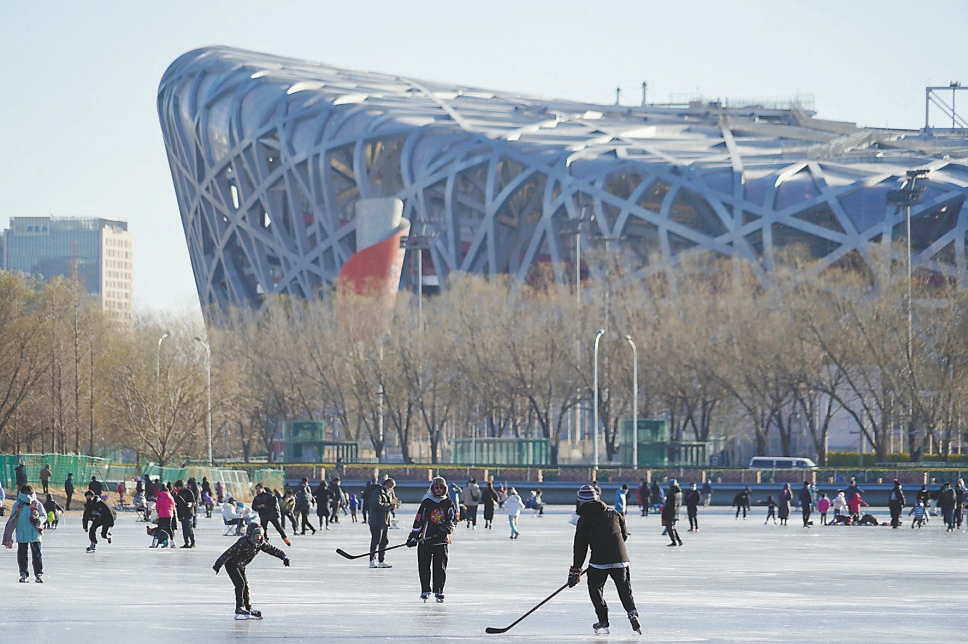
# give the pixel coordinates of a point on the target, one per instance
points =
(574, 574)
(285, 562)
(412, 541)
(216, 569)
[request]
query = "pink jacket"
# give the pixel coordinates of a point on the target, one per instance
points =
(165, 504)
(823, 505)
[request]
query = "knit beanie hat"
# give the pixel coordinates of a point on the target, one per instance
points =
(587, 493)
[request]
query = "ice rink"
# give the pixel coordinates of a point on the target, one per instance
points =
(734, 581)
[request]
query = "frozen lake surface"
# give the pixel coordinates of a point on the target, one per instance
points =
(734, 581)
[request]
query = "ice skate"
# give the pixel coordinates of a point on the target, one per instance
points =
(255, 614)
(384, 564)
(424, 596)
(440, 598)
(91, 548)
(634, 620)
(39, 578)
(242, 613)
(600, 628)
(372, 563)
(23, 578)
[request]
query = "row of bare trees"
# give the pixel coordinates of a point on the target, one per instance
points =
(719, 356)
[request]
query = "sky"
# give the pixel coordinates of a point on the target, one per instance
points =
(78, 80)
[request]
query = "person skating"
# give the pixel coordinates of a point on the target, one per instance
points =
(603, 530)
(472, 497)
(692, 499)
(431, 534)
(895, 501)
(237, 557)
(806, 503)
(322, 504)
(670, 511)
(185, 511)
(99, 515)
(268, 508)
(304, 505)
(29, 513)
(382, 503)
(489, 501)
(514, 505)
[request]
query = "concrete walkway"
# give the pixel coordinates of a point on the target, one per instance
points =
(734, 581)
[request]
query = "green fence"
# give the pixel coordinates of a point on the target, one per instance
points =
(82, 467)
(236, 482)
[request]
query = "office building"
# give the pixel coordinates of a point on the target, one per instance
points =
(96, 252)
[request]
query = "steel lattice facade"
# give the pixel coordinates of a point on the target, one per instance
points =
(269, 156)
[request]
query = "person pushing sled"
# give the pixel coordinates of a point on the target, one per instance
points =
(237, 557)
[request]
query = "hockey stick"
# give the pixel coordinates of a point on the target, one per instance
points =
(493, 629)
(343, 553)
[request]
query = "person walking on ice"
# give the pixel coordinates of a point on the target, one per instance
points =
(237, 557)
(603, 530)
(26, 519)
(432, 527)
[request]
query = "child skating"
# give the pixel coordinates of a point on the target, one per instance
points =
(237, 557)
(770, 509)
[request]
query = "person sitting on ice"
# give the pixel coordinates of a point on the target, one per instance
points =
(237, 557)
(158, 536)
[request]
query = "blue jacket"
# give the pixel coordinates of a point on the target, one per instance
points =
(29, 521)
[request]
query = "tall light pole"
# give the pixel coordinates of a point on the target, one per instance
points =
(907, 195)
(164, 335)
(208, 385)
(598, 336)
(635, 403)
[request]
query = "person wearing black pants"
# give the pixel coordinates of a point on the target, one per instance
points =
(99, 515)
(237, 557)
(670, 511)
(806, 503)
(432, 527)
(185, 510)
(268, 508)
(382, 503)
(602, 529)
(69, 489)
(895, 501)
(304, 503)
(692, 500)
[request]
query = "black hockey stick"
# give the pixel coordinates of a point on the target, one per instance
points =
(492, 629)
(343, 553)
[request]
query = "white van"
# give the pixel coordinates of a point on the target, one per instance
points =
(781, 463)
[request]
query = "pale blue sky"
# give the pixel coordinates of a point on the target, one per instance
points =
(78, 80)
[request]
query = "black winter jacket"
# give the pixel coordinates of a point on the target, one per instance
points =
(184, 503)
(673, 503)
(242, 552)
(266, 505)
(435, 519)
(98, 512)
(603, 530)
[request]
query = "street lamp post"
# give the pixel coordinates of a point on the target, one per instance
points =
(164, 335)
(598, 336)
(635, 403)
(907, 195)
(208, 386)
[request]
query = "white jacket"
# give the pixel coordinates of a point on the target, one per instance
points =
(514, 505)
